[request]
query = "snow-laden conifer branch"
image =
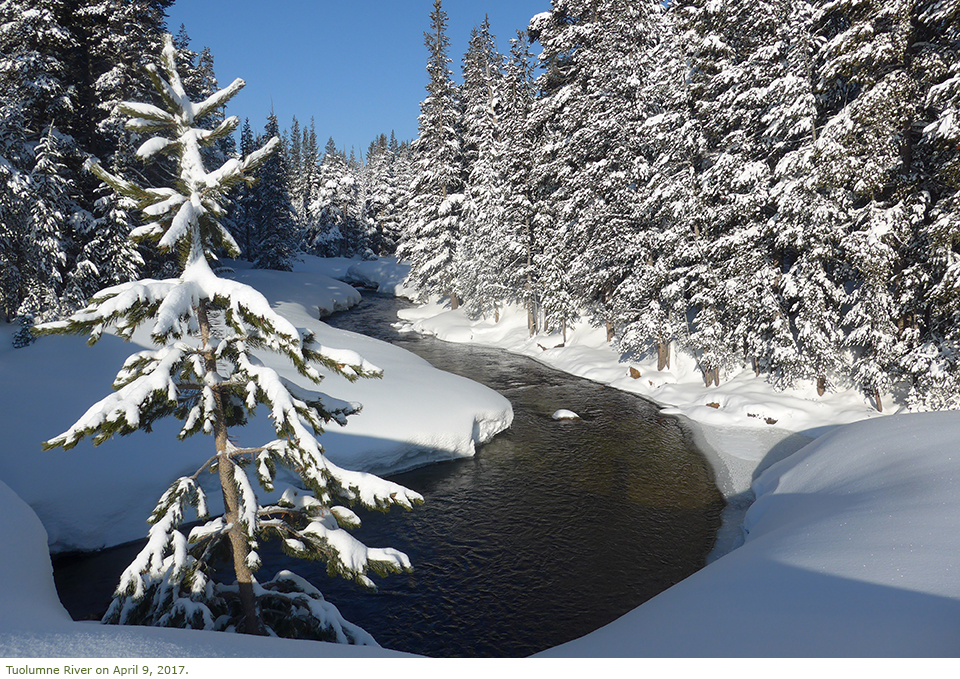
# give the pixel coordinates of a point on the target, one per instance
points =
(152, 562)
(146, 112)
(323, 537)
(220, 99)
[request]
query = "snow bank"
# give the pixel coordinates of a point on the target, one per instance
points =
(384, 275)
(852, 549)
(312, 286)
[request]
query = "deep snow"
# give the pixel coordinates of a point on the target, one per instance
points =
(851, 547)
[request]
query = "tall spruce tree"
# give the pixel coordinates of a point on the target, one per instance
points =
(931, 317)
(279, 238)
(477, 266)
(430, 241)
(204, 372)
(519, 247)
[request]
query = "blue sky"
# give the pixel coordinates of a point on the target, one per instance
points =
(357, 67)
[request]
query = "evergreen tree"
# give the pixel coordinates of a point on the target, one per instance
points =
(109, 257)
(243, 223)
(203, 373)
(121, 37)
(931, 317)
(478, 271)
(380, 188)
(309, 182)
(51, 215)
(869, 94)
(295, 172)
(331, 209)
(652, 301)
(279, 239)
(429, 243)
(519, 245)
(15, 247)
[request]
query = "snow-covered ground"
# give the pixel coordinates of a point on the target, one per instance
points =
(852, 547)
(92, 497)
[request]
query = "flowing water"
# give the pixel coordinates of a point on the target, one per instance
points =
(554, 529)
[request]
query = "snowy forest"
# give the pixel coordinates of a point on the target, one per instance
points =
(773, 183)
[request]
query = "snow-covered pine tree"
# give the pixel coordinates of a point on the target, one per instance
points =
(15, 247)
(279, 238)
(120, 38)
(479, 277)
(204, 372)
(295, 171)
(932, 317)
(243, 225)
(520, 242)
(871, 94)
(331, 208)
(597, 56)
(430, 240)
(108, 257)
(651, 301)
(51, 212)
(553, 122)
(381, 189)
(615, 60)
(310, 181)
(810, 218)
(742, 79)
(39, 112)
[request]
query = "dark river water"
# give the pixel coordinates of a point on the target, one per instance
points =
(554, 529)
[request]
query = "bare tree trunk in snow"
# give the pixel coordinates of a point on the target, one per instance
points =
(663, 354)
(226, 467)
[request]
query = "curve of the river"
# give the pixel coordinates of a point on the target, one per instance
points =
(554, 529)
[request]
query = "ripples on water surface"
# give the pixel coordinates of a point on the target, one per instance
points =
(554, 529)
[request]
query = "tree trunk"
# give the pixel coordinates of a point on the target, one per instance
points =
(253, 623)
(876, 397)
(821, 385)
(611, 331)
(711, 376)
(663, 354)
(454, 301)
